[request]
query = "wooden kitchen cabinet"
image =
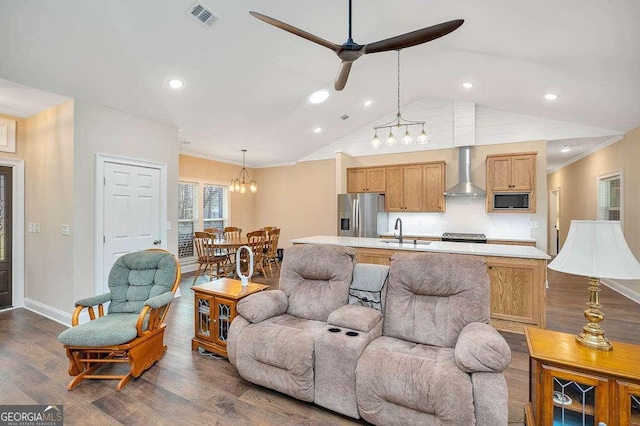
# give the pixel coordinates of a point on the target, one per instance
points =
(404, 188)
(511, 173)
(514, 289)
(573, 383)
(366, 180)
(416, 187)
(434, 181)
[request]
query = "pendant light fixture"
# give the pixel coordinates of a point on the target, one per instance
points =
(398, 124)
(239, 184)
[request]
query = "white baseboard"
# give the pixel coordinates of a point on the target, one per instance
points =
(623, 289)
(47, 311)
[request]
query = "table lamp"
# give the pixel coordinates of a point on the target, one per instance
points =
(596, 249)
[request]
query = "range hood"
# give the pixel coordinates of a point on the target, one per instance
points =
(465, 188)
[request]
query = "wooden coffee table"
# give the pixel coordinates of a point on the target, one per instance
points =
(215, 308)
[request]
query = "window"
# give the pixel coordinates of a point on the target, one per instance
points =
(213, 206)
(187, 217)
(610, 197)
(193, 198)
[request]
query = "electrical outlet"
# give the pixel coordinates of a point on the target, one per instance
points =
(34, 227)
(66, 230)
(534, 224)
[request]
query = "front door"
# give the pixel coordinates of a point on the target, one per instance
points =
(6, 225)
(131, 212)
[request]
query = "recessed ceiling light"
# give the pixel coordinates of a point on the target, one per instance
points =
(551, 96)
(565, 148)
(368, 102)
(319, 96)
(317, 130)
(467, 85)
(175, 83)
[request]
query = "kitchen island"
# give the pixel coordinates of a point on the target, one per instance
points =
(518, 274)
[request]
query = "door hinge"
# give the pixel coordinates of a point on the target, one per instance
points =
(104, 180)
(104, 239)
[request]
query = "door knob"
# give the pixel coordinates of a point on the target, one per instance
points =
(156, 242)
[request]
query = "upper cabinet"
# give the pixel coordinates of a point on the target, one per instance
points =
(366, 180)
(434, 181)
(511, 173)
(404, 188)
(408, 187)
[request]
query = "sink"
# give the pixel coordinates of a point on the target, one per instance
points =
(407, 242)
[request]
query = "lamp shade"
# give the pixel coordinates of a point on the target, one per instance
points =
(597, 248)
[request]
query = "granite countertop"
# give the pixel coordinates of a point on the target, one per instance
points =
(525, 252)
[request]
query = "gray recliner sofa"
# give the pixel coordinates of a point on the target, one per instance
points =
(432, 361)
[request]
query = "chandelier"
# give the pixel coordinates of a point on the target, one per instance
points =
(239, 184)
(398, 123)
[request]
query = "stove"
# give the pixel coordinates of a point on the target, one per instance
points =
(464, 238)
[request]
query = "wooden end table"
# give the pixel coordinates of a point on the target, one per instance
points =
(215, 308)
(570, 383)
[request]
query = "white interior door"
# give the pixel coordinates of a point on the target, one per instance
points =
(131, 212)
(554, 221)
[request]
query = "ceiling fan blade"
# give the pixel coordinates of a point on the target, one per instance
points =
(343, 75)
(296, 31)
(413, 38)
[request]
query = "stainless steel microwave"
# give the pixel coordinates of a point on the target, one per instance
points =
(511, 200)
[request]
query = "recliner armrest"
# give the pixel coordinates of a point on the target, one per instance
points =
(160, 300)
(359, 318)
(261, 306)
(480, 348)
(94, 300)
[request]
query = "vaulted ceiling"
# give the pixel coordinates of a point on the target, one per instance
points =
(246, 83)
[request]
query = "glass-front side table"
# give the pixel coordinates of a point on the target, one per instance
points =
(215, 308)
(574, 385)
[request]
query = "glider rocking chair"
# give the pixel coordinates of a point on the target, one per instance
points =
(142, 286)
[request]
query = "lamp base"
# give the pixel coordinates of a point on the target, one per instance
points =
(594, 341)
(592, 335)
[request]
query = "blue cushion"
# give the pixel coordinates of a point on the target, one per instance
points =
(109, 330)
(136, 277)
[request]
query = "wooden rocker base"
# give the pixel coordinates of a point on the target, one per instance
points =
(141, 353)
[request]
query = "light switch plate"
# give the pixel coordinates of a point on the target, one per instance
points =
(168, 226)
(34, 227)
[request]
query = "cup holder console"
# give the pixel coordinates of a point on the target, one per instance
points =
(335, 330)
(351, 333)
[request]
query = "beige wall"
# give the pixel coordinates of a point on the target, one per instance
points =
(299, 199)
(49, 173)
(578, 186)
(243, 206)
(99, 129)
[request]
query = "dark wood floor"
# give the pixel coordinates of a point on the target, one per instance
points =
(186, 387)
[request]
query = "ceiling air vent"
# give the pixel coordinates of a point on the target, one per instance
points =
(201, 13)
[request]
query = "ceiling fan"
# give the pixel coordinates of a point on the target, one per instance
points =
(350, 51)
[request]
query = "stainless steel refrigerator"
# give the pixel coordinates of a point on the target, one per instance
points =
(362, 215)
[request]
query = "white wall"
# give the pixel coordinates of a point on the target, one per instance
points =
(99, 129)
(465, 215)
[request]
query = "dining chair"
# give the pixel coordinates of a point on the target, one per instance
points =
(232, 233)
(256, 241)
(210, 256)
(269, 228)
(271, 253)
(215, 231)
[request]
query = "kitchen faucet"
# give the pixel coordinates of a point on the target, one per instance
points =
(398, 220)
